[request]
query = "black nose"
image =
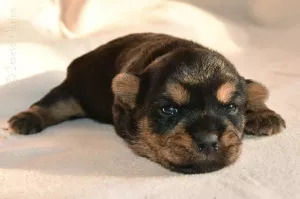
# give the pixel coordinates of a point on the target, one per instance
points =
(208, 144)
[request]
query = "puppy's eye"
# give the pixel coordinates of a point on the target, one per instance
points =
(169, 110)
(231, 108)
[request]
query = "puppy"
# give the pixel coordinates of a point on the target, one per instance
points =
(173, 101)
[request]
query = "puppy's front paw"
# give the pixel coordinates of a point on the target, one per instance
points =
(25, 123)
(263, 122)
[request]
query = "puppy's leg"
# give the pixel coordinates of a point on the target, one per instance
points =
(260, 120)
(55, 107)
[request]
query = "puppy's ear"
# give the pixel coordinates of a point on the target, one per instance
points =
(260, 120)
(125, 87)
(257, 95)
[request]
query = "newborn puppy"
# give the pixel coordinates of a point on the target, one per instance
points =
(173, 101)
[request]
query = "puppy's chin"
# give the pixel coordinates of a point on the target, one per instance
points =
(208, 163)
(196, 168)
(194, 162)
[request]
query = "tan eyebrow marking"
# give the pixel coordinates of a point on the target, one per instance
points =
(178, 93)
(225, 92)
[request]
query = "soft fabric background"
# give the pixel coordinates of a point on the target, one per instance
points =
(84, 159)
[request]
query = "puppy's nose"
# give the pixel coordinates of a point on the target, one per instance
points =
(208, 144)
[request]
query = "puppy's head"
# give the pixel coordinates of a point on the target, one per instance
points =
(185, 111)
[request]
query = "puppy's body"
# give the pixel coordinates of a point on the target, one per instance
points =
(172, 100)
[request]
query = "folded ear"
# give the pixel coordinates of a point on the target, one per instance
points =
(125, 87)
(260, 120)
(257, 94)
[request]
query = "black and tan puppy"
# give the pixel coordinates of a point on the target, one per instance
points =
(172, 100)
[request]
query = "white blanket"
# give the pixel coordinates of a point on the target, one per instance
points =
(83, 159)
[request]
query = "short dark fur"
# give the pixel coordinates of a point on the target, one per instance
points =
(132, 80)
